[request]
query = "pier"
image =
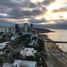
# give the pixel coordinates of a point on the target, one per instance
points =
(57, 41)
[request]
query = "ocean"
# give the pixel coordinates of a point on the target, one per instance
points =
(59, 35)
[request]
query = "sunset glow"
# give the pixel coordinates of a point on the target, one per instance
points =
(56, 5)
(36, 1)
(55, 11)
(59, 13)
(49, 10)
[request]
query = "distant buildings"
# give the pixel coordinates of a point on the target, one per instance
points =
(6, 27)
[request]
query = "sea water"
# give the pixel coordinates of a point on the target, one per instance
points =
(59, 35)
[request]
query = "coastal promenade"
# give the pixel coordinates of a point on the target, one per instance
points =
(55, 56)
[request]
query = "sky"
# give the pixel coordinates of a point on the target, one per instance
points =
(34, 11)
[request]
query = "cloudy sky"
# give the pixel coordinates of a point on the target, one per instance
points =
(46, 11)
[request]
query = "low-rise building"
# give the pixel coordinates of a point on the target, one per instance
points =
(20, 63)
(2, 47)
(28, 52)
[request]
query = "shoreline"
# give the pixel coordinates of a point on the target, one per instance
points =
(56, 55)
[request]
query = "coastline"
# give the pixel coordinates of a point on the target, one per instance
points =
(55, 56)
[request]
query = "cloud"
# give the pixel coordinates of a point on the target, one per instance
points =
(21, 9)
(7, 20)
(48, 2)
(60, 10)
(15, 8)
(57, 10)
(58, 25)
(57, 4)
(18, 13)
(32, 5)
(8, 3)
(37, 20)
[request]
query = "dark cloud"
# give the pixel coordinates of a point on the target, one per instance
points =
(47, 2)
(32, 5)
(14, 9)
(9, 3)
(37, 20)
(18, 13)
(14, 4)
